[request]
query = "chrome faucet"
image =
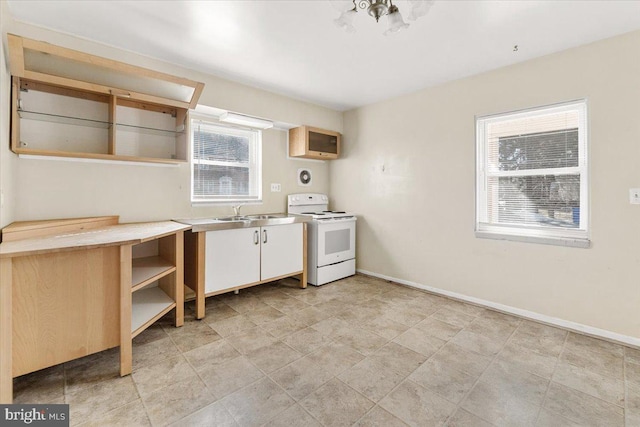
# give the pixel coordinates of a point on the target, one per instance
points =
(236, 210)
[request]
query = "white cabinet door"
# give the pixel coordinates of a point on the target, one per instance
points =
(281, 250)
(232, 258)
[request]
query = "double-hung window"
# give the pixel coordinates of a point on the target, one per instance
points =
(226, 163)
(532, 175)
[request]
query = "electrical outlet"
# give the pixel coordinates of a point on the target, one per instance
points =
(276, 188)
(634, 196)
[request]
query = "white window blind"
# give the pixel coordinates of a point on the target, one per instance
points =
(226, 163)
(532, 175)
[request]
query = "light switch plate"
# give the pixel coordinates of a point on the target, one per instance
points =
(276, 188)
(634, 196)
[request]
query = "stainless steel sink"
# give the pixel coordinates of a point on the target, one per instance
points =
(265, 216)
(233, 218)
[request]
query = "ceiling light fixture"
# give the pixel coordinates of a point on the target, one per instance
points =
(241, 119)
(378, 9)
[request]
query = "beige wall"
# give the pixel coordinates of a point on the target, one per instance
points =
(409, 170)
(60, 189)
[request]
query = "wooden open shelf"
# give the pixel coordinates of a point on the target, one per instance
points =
(149, 269)
(147, 306)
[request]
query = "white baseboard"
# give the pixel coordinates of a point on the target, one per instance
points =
(554, 321)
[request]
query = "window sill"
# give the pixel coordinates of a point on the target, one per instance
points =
(544, 240)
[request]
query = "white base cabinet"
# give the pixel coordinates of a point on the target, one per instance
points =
(224, 260)
(232, 258)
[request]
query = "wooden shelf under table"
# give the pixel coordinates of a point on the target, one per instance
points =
(147, 306)
(149, 269)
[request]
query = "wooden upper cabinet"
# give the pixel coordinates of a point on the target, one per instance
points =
(68, 103)
(313, 143)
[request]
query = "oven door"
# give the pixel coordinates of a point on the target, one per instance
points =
(336, 241)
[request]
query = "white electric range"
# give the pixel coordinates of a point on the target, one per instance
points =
(331, 238)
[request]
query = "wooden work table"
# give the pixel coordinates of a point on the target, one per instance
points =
(70, 288)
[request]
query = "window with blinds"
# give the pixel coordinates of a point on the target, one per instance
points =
(226, 163)
(532, 175)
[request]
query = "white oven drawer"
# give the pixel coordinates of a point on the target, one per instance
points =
(333, 272)
(336, 241)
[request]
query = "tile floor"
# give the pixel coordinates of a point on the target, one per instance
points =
(360, 351)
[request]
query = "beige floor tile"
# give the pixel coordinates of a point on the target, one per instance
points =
(172, 403)
(632, 374)
(216, 353)
(439, 377)
(469, 309)
(167, 372)
(501, 317)
(582, 408)
(605, 388)
(549, 419)
(583, 342)
(273, 356)
(301, 378)
(44, 386)
(419, 341)
(244, 303)
(363, 341)
(250, 340)
(98, 399)
(215, 313)
(528, 360)
(336, 404)
(495, 329)
(131, 415)
(384, 327)
(403, 316)
(438, 329)
(192, 335)
(333, 327)
(334, 306)
(378, 417)
(463, 360)
(231, 325)
(464, 418)
(632, 407)
(600, 362)
(288, 305)
(228, 377)
(549, 345)
(496, 406)
(335, 357)
(257, 403)
(157, 331)
(478, 343)
(453, 317)
(513, 383)
(212, 415)
(372, 379)
(309, 316)
(399, 358)
(264, 315)
(417, 406)
(632, 355)
(153, 352)
(294, 416)
(283, 326)
(91, 370)
(306, 340)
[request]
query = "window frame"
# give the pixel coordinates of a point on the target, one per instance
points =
(255, 163)
(574, 237)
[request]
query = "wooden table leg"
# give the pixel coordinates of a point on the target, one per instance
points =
(6, 332)
(126, 356)
(200, 298)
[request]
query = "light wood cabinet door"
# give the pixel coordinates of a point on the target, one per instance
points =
(282, 250)
(232, 258)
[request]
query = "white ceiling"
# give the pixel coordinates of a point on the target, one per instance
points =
(293, 48)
